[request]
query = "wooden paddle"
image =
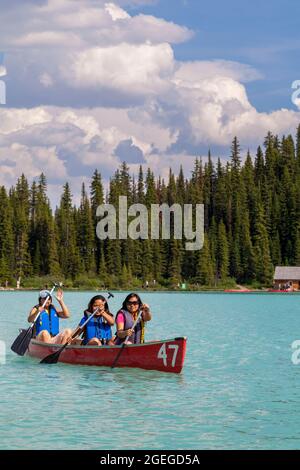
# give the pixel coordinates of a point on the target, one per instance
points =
(21, 343)
(126, 339)
(53, 357)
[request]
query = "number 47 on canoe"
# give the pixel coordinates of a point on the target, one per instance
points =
(164, 356)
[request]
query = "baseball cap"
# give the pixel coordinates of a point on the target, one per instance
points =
(44, 294)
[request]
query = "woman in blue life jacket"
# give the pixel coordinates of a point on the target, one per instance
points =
(47, 325)
(126, 317)
(98, 332)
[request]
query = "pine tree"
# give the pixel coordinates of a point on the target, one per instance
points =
(40, 225)
(20, 204)
(220, 195)
(6, 237)
(259, 168)
(103, 274)
(275, 249)
(85, 233)
(97, 199)
(141, 186)
(298, 150)
(174, 264)
(264, 267)
(69, 255)
(222, 253)
(54, 268)
(180, 188)
(204, 269)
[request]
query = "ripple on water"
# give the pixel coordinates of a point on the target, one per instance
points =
(238, 388)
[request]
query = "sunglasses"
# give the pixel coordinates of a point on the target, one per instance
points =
(135, 302)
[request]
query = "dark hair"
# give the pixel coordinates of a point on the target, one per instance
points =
(42, 300)
(124, 305)
(93, 300)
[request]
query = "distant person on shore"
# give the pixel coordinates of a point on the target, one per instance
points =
(47, 325)
(97, 332)
(126, 317)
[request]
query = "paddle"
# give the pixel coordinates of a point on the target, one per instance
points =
(53, 357)
(21, 343)
(126, 339)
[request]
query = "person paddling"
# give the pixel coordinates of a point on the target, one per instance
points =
(47, 325)
(126, 318)
(98, 332)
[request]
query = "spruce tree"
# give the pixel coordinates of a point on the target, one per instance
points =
(204, 268)
(85, 233)
(97, 199)
(222, 253)
(69, 255)
(21, 204)
(6, 237)
(264, 267)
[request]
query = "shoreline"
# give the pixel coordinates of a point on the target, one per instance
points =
(156, 291)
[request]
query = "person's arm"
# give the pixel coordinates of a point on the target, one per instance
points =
(78, 332)
(109, 318)
(79, 327)
(121, 333)
(64, 312)
(32, 314)
(146, 315)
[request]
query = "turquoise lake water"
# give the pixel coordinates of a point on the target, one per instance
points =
(238, 390)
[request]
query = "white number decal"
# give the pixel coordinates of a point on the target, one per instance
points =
(162, 354)
(175, 349)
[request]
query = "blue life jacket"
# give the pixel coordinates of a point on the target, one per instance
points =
(97, 327)
(48, 321)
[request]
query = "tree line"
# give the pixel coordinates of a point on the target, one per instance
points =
(252, 223)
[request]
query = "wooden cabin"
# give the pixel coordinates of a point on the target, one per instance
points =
(287, 277)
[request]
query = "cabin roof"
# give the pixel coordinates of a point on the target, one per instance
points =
(287, 273)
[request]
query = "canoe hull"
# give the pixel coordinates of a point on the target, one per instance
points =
(281, 291)
(164, 356)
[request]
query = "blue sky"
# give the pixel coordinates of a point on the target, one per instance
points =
(91, 83)
(264, 34)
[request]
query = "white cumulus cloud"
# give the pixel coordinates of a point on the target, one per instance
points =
(90, 83)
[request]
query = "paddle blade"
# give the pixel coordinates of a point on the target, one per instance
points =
(21, 343)
(53, 358)
(118, 356)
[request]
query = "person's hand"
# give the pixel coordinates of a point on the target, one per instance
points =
(60, 295)
(145, 308)
(99, 312)
(129, 332)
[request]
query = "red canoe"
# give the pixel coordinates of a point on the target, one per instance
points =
(166, 356)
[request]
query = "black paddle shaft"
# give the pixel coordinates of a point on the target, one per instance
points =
(53, 357)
